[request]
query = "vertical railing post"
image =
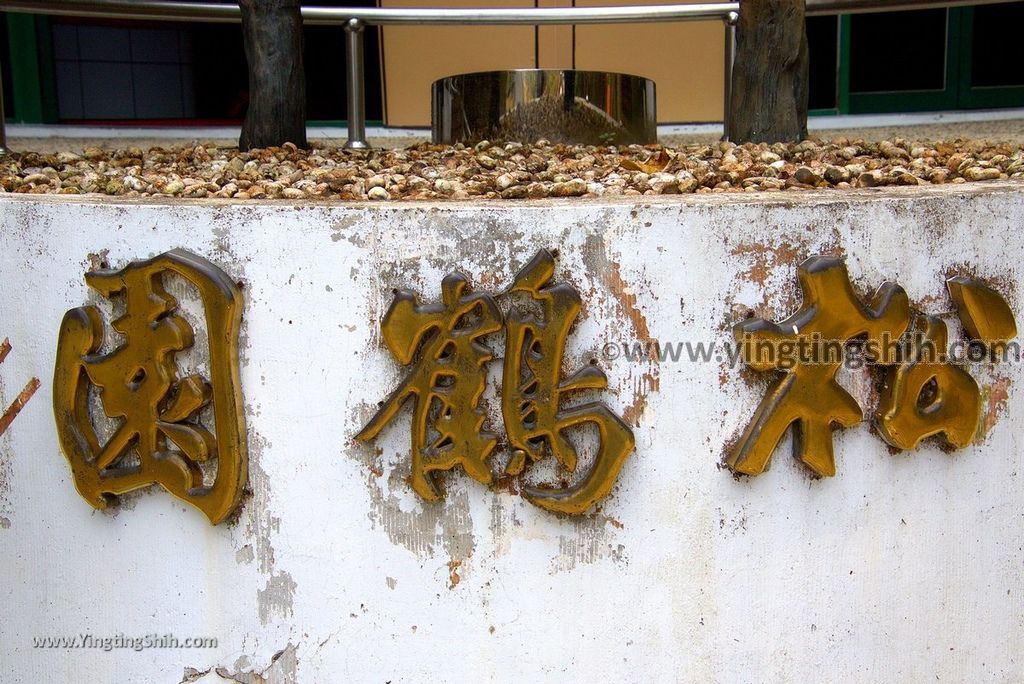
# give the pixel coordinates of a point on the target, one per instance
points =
(356, 92)
(729, 21)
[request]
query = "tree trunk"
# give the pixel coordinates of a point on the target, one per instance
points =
(272, 30)
(769, 79)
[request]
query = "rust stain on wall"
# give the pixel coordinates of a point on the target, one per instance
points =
(604, 270)
(19, 403)
(763, 258)
(995, 396)
(453, 573)
(642, 386)
(12, 411)
(627, 300)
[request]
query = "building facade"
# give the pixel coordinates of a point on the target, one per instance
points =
(67, 70)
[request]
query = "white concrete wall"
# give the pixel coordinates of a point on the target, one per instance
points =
(901, 568)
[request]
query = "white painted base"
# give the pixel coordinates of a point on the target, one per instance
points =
(901, 568)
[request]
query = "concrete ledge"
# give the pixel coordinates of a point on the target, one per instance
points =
(902, 566)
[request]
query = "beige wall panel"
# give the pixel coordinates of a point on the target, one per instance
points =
(554, 43)
(416, 56)
(684, 59)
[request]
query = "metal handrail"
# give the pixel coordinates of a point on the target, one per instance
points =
(354, 19)
(376, 16)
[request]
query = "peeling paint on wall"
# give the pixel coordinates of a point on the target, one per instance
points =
(275, 599)
(332, 556)
(281, 670)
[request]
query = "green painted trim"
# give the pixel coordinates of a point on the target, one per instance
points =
(963, 80)
(990, 98)
(822, 112)
(980, 98)
(919, 100)
(27, 95)
(47, 70)
(957, 94)
(898, 102)
(843, 85)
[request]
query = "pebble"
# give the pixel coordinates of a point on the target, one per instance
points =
(494, 169)
(570, 188)
(836, 175)
(806, 176)
(504, 181)
(870, 179)
(977, 173)
(514, 192)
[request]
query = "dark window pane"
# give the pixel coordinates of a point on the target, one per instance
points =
(220, 75)
(894, 51)
(116, 69)
(822, 45)
(324, 59)
(996, 29)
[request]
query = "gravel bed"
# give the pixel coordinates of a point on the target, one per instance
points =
(506, 170)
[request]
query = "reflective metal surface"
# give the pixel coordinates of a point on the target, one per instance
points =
(984, 312)
(157, 422)
(443, 344)
(585, 107)
(807, 396)
(229, 12)
(377, 16)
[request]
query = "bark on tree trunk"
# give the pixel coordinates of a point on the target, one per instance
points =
(769, 79)
(272, 30)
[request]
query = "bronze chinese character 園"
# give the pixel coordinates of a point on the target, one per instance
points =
(159, 437)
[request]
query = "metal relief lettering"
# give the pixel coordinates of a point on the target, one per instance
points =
(928, 394)
(448, 378)
(446, 382)
(924, 396)
(925, 392)
(532, 392)
(159, 437)
(983, 311)
(807, 396)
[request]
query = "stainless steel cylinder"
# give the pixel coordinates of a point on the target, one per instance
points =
(567, 106)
